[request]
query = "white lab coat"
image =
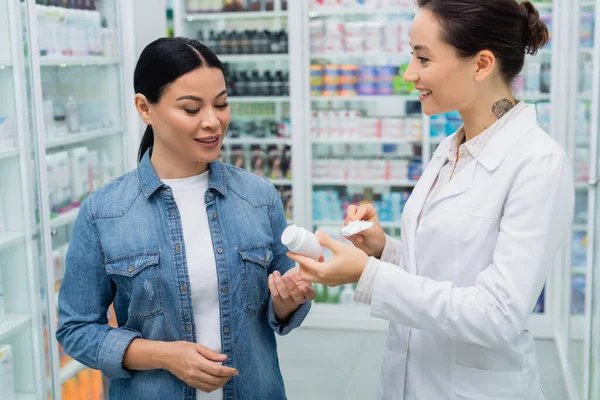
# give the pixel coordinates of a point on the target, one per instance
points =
(470, 272)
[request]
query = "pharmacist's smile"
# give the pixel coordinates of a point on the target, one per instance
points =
(208, 141)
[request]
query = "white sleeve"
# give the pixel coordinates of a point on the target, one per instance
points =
(537, 214)
(390, 254)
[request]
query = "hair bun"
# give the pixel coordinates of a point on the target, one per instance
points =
(536, 32)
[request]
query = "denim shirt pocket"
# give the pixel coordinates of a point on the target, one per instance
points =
(255, 266)
(137, 277)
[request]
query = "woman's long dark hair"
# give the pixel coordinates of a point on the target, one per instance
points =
(160, 64)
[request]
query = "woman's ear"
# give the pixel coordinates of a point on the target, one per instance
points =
(485, 63)
(143, 108)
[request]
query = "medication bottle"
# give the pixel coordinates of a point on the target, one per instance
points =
(302, 241)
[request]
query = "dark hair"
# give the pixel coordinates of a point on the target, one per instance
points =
(161, 63)
(506, 28)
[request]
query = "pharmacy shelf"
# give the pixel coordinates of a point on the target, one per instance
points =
(588, 4)
(341, 99)
(281, 182)
(217, 16)
(400, 57)
(436, 140)
(346, 317)
(11, 324)
(534, 97)
(579, 228)
(581, 186)
(543, 5)
(8, 153)
(5, 63)
(64, 218)
(258, 99)
(70, 370)
(390, 225)
(362, 182)
(352, 11)
(589, 52)
(77, 138)
(25, 396)
(579, 270)
(257, 58)
(260, 141)
(381, 141)
(8, 239)
(355, 317)
(77, 61)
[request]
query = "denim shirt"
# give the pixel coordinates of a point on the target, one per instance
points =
(127, 247)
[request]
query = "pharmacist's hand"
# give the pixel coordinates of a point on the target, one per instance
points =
(372, 240)
(346, 265)
(198, 366)
(289, 292)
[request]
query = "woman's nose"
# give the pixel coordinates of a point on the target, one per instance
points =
(410, 76)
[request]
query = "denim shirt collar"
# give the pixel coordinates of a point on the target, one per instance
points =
(150, 182)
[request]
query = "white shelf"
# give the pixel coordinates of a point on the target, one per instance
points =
(250, 140)
(390, 225)
(437, 139)
(580, 228)
(579, 270)
(212, 16)
(70, 370)
(355, 317)
(77, 61)
(340, 99)
(77, 138)
(581, 186)
(280, 182)
(534, 97)
(362, 54)
(364, 182)
(350, 11)
(231, 58)
(25, 396)
(588, 4)
(11, 324)
(543, 6)
(346, 317)
(65, 218)
(8, 239)
(9, 153)
(258, 99)
(5, 63)
(381, 141)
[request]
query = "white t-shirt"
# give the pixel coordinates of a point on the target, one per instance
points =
(201, 264)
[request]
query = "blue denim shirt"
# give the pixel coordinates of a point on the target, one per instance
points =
(127, 247)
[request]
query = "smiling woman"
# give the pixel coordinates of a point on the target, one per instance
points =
(187, 248)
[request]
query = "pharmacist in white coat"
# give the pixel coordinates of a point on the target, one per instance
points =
(483, 226)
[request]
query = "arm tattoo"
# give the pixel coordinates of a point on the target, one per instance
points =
(501, 107)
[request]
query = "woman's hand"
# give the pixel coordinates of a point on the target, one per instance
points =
(346, 265)
(289, 292)
(372, 240)
(197, 366)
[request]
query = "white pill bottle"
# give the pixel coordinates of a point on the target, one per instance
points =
(302, 241)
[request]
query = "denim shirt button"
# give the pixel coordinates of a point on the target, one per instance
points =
(177, 248)
(214, 215)
(226, 330)
(188, 328)
(219, 250)
(172, 212)
(209, 194)
(130, 267)
(183, 288)
(224, 289)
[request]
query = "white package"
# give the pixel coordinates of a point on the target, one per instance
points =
(7, 374)
(355, 227)
(79, 171)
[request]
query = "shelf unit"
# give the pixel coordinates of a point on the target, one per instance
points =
(77, 61)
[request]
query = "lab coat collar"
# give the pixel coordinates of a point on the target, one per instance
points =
(492, 155)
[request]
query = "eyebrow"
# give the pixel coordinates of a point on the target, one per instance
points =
(199, 99)
(420, 47)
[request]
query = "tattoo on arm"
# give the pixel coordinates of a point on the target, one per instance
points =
(501, 107)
